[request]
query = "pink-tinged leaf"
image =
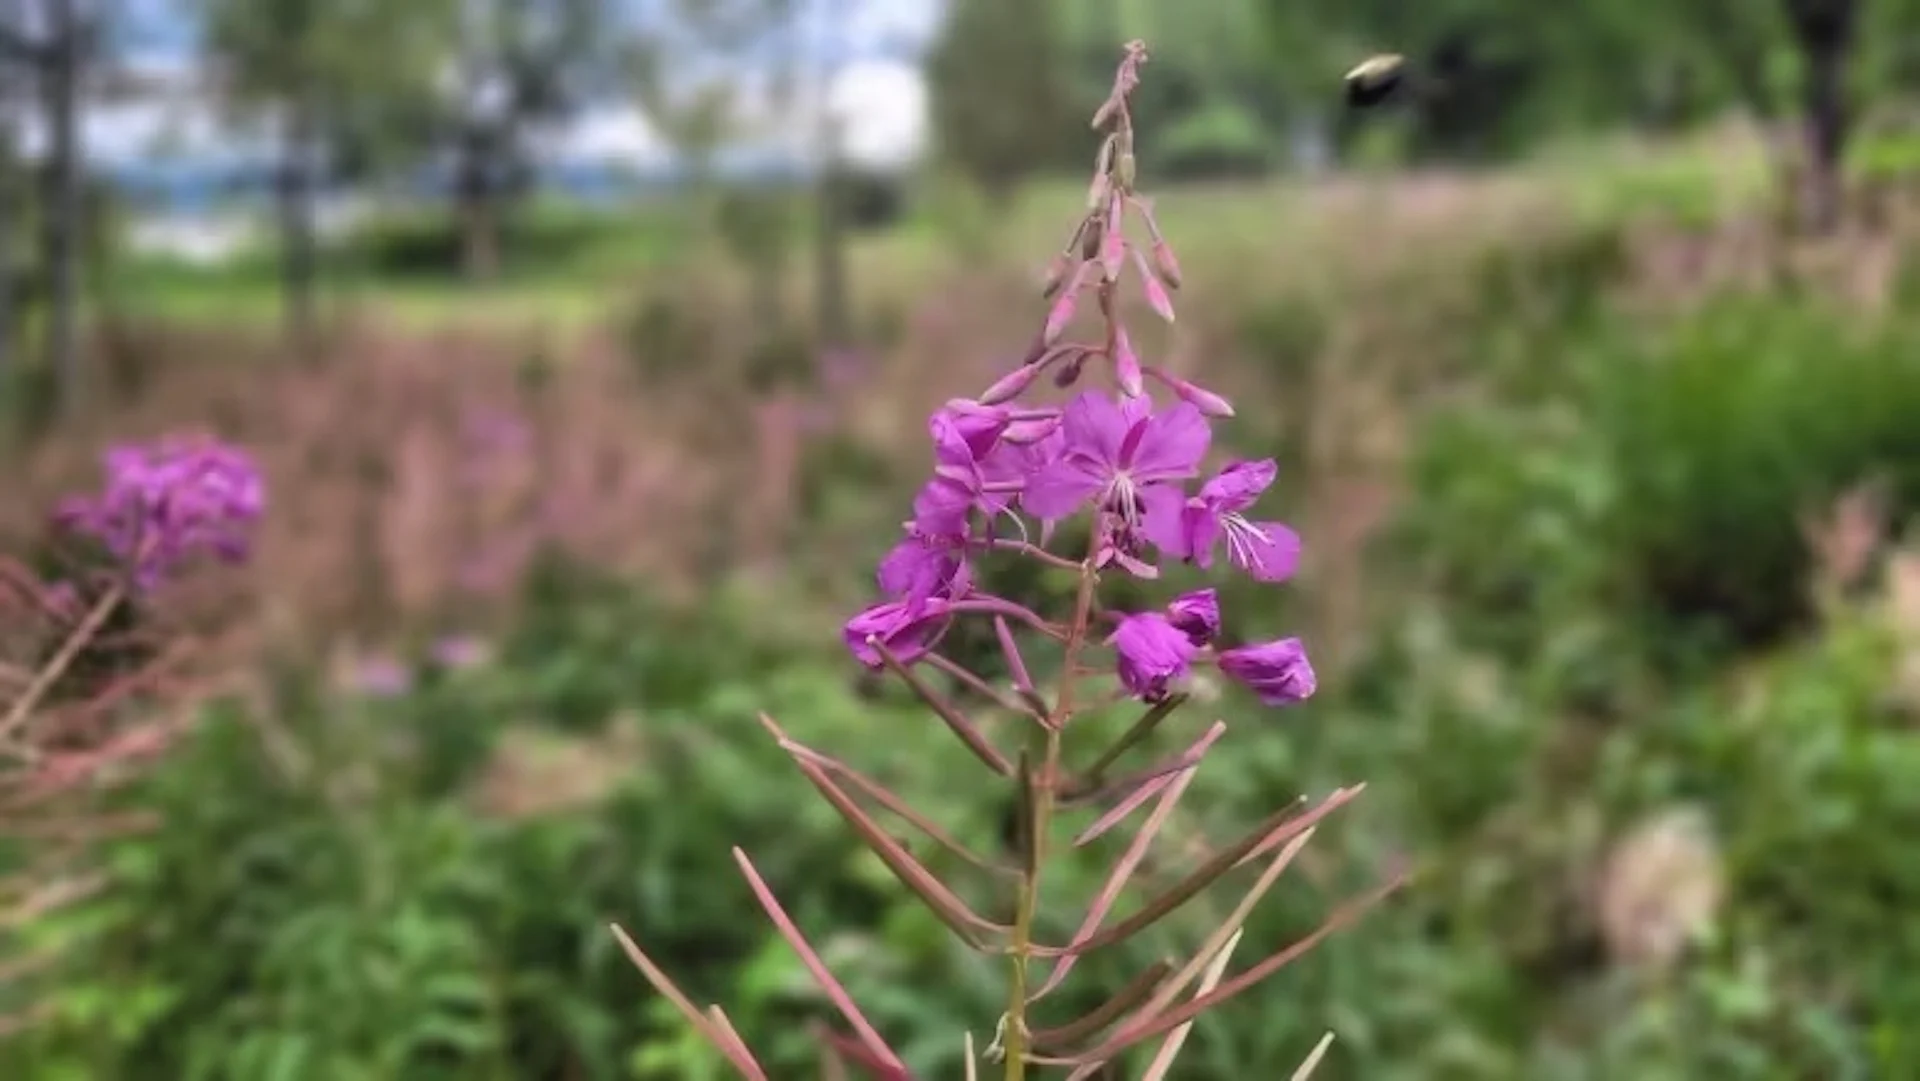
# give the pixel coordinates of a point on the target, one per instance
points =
(1137, 991)
(1215, 947)
(1017, 665)
(1277, 829)
(729, 1045)
(1338, 798)
(1177, 1039)
(881, 795)
(1172, 1019)
(835, 990)
(1124, 786)
(1113, 241)
(1131, 738)
(956, 720)
(723, 1025)
(1126, 364)
(1064, 307)
(939, 899)
(1156, 293)
(1124, 808)
(855, 1052)
(1123, 870)
(978, 685)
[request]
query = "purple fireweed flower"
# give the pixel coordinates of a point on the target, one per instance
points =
(166, 504)
(923, 566)
(978, 426)
(963, 434)
(907, 632)
(1121, 456)
(1151, 652)
(1197, 615)
(1267, 550)
(1277, 672)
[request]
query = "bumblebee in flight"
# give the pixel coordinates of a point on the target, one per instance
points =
(1376, 79)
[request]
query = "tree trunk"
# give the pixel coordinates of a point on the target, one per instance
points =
(479, 211)
(298, 262)
(830, 285)
(10, 203)
(1824, 30)
(60, 207)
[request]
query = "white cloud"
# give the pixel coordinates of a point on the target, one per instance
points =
(883, 104)
(619, 134)
(885, 26)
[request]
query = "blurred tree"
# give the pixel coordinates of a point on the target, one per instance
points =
(515, 65)
(1002, 100)
(320, 72)
(1825, 32)
(15, 85)
(55, 40)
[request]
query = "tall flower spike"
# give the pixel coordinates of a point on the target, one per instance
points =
(1126, 464)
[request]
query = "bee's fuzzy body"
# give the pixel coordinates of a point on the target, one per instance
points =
(1376, 80)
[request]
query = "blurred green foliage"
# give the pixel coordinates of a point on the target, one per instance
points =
(377, 902)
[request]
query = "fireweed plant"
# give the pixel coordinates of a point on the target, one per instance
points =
(1005, 475)
(92, 680)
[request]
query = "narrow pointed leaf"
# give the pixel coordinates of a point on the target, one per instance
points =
(1170, 1047)
(1312, 1061)
(1214, 946)
(1123, 870)
(884, 797)
(951, 910)
(1138, 731)
(955, 719)
(1276, 830)
(1132, 782)
(1133, 994)
(855, 1052)
(1341, 917)
(735, 1052)
(978, 685)
(835, 990)
(1017, 666)
(1121, 810)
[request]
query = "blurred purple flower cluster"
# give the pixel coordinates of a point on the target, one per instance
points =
(168, 503)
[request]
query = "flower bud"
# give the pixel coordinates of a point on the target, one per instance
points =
(1098, 190)
(1056, 275)
(1206, 401)
(1126, 364)
(1126, 170)
(1011, 385)
(1165, 264)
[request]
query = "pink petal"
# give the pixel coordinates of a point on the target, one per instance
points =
(1172, 445)
(1269, 551)
(1239, 484)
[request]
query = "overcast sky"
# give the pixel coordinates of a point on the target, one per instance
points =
(878, 90)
